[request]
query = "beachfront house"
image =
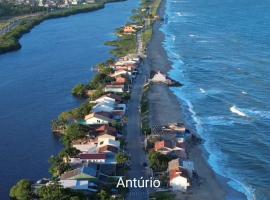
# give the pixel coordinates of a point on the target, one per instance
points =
(177, 164)
(119, 73)
(159, 78)
(114, 88)
(178, 181)
(94, 118)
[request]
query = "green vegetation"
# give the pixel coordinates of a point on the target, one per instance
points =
(22, 190)
(74, 132)
(11, 9)
(54, 191)
(58, 166)
(97, 83)
(121, 158)
(126, 44)
(162, 196)
(158, 161)
(76, 113)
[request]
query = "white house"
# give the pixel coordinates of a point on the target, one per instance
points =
(103, 99)
(114, 88)
(94, 118)
(87, 147)
(104, 107)
(178, 182)
(159, 78)
(119, 73)
(106, 136)
(108, 141)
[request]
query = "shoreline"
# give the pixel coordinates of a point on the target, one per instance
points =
(11, 39)
(163, 102)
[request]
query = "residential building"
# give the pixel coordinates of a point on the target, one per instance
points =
(107, 141)
(93, 157)
(95, 118)
(129, 30)
(114, 88)
(178, 181)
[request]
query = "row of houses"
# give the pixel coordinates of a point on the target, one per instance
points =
(98, 151)
(173, 141)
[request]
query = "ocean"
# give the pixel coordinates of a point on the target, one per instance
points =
(220, 51)
(36, 84)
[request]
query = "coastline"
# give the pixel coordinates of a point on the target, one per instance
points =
(164, 103)
(10, 41)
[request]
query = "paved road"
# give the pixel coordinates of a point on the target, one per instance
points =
(15, 22)
(134, 138)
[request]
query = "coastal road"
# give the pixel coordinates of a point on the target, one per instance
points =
(135, 142)
(13, 23)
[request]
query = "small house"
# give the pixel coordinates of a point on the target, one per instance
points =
(114, 88)
(178, 181)
(95, 118)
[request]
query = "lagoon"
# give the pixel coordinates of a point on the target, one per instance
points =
(36, 84)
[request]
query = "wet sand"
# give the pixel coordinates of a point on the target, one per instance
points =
(164, 108)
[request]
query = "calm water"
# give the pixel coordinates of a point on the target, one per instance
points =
(221, 52)
(35, 85)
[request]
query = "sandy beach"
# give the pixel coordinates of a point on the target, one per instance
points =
(164, 108)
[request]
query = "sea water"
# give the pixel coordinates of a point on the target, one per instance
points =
(220, 51)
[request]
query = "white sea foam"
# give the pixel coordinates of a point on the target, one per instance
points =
(258, 113)
(247, 190)
(202, 90)
(179, 14)
(244, 92)
(217, 159)
(191, 35)
(237, 111)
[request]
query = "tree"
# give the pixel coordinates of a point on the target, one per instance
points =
(56, 192)
(73, 132)
(121, 158)
(79, 90)
(58, 166)
(21, 191)
(103, 195)
(158, 161)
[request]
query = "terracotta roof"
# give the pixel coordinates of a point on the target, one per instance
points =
(174, 173)
(106, 128)
(93, 156)
(161, 144)
(83, 172)
(108, 148)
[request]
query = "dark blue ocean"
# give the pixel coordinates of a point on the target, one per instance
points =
(220, 50)
(36, 83)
